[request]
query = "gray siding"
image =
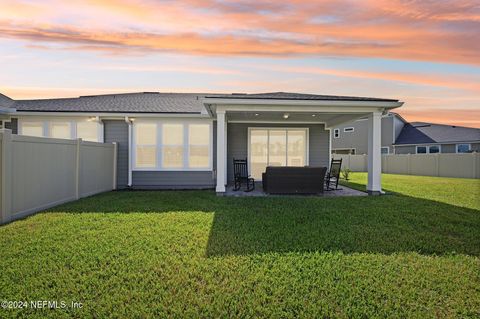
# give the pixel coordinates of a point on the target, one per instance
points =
(173, 179)
(358, 139)
(449, 148)
(476, 147)
(117, 131)
(237, 145)
(13, 125)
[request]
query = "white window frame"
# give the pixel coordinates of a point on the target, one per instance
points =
(336, 131)
(388, 150)
(46, 121)
(428, 149)
(159, 148)
(307, 142)
(469, 147)
(350, 129)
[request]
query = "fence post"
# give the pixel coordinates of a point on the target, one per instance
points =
(77, 168)
(115, 151)
(409, 165)
(475, 172)
(6, 176)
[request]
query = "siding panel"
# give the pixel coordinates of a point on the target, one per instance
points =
(117, 131)
(173, 179)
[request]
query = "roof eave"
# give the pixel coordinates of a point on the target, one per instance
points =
(236, 101)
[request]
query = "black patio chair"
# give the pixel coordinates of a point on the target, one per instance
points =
(333, 175)
(240, 175)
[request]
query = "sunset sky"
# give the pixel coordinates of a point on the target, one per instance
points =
(426, 53)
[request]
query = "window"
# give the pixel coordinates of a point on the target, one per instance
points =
(32, 128)
(179, 146)
(172, 135)
(336, 133)
(277, 147)
(199, 145)
(87, 130)
(434, 149)
(60, 130)
(421, 150)
(430, 149)
(56, 128)
(385, 150)
(146, 145)
(463, 148)
(348, 129)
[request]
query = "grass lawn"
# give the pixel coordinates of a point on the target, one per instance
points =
(188, 254)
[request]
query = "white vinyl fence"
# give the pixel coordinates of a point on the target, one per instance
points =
(37, 173)
(466, 165)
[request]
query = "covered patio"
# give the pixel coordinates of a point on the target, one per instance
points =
(285, 129)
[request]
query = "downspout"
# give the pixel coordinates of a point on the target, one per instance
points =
(129, 122)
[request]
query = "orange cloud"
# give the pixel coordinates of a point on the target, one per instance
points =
(413, 30)
(460, 117)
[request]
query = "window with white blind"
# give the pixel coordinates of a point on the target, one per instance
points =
(179, 146)
(31, 128)
(83, 128)
(88, 131)
(60, 129)
(146, 145)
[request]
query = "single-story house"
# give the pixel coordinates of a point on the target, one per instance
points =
(425, 138)
(188, 140)
(402, 137)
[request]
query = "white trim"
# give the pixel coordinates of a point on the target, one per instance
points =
(159, 145)
(307, 143)
(129, 122)
(112, 115)
(336, 130)
(469, 147)
(349, 129)
(329, 147)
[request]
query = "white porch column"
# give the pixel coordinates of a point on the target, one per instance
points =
(221, 151)
(374, 186)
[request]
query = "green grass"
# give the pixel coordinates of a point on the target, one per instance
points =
(193, 254)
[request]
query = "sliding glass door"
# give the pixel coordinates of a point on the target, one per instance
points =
(276, 147)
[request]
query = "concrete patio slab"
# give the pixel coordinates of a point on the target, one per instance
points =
(342, 191)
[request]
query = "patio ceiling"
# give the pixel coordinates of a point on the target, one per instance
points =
(292, 117)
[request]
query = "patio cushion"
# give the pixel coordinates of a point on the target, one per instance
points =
(293, 180)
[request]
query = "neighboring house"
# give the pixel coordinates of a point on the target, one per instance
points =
(424, 138)
(187, 140)
(352, 138)
(401, 137)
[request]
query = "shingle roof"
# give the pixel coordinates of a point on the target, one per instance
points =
(420, 133)
(297, 96)
(155, 102)
(146, 102)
